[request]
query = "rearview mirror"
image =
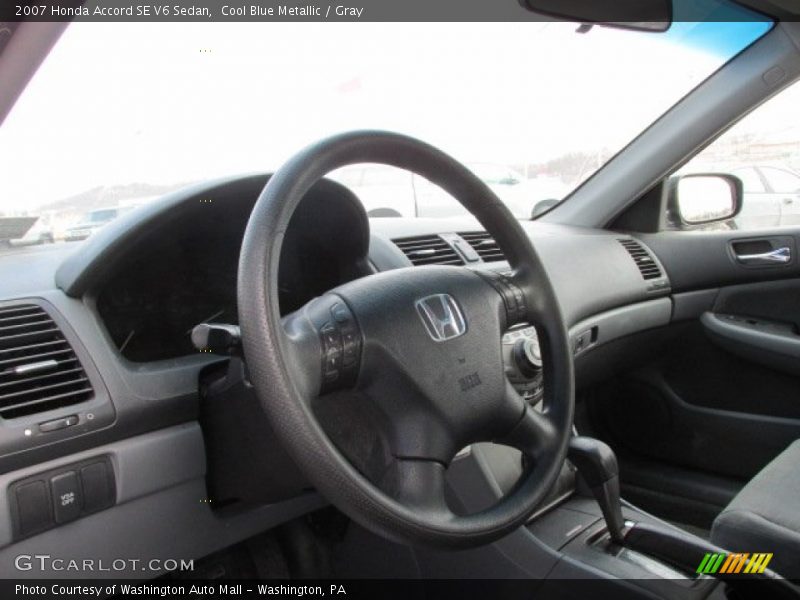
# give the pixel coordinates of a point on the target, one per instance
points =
(705, 197)
(640, 15)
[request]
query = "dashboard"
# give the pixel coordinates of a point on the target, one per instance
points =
(126, 300)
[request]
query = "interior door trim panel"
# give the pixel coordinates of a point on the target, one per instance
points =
(770, 343)
(709, 433)
(698, 260)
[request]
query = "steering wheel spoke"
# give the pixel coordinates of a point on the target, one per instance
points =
(534, 434)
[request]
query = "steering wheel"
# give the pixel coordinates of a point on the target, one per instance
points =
(421, 343)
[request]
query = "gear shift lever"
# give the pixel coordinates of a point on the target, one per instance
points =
(597, 464)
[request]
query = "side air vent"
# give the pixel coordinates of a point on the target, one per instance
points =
(428, 250)
(484, 245)
(39, 370)
(648, 267)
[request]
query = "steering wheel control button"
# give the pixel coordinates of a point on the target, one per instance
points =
(331, 351)
(513, 298)
(340, 313)
(331, 339)
(57, 424)
(332, 361)
(34, 511)
(340, 341)
(67, 496)
(350, 353)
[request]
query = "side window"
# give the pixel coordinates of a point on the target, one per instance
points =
(763, 150)
(751, 180)
(781, 181)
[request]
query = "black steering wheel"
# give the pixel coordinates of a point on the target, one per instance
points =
(421, 343)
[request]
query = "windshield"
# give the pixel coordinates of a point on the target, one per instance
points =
(120, 114)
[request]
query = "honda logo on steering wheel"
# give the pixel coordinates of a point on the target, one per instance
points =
(442, 317)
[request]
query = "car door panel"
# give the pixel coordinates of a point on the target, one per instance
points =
(697, 260)
(722, 396)
(773, 344)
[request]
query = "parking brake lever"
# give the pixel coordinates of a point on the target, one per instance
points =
(597, 464)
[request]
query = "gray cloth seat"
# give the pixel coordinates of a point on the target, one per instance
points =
(765, 515)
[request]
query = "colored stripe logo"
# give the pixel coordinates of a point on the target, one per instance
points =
(735, 562)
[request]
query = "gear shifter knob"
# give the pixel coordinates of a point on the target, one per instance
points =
(597, 464)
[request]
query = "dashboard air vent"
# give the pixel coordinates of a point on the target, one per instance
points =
(647, 266)
(428, 250)
(39, 370)
(484, 245)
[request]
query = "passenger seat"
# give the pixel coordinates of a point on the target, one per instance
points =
(765, 515)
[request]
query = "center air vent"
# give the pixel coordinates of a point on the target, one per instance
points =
(39, 370)
(647, 266)
(428, 250)
(484, 245)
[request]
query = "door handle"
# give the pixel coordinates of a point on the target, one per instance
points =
(779, 256)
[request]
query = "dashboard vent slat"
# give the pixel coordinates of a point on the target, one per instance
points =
(12, 311)
(39, 370)
(485, 245)
(6, 321)
(428, 250)
(33, 353)
(23, 327)
(647, 266)
(7, 382)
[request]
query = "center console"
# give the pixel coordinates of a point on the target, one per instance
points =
(585, 531)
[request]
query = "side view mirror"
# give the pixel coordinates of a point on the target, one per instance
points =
(702, 198)
(543, 206)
